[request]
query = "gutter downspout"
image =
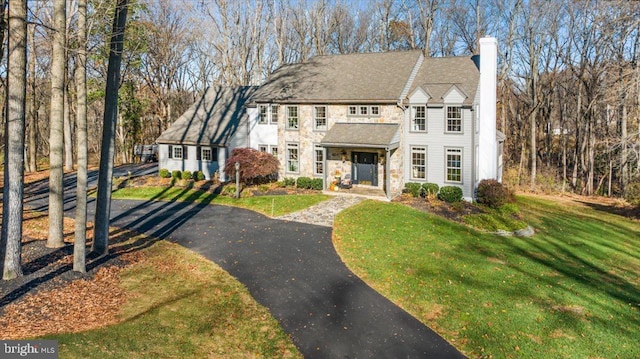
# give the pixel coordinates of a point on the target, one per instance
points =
(387, 172)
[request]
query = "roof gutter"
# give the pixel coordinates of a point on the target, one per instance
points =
(412, 77)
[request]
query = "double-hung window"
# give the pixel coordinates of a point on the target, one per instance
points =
(292, 117)
(454, 164)
(318, 158)
(419, 121)
(293, 159)
(320, 118)
(263, 114)
(454, 119)
(176, 152)
(419, 163)
(206, 154)
(274, 113)
(263, 148)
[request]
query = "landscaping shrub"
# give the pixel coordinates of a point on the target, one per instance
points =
(303, 182)
(316, 184)
(309, 183)
(289, 182)
(199, 176)
(164, 173)
(632, 193)
(264, 188)
(186, 175)
(430, 189)
(450, 194)
(176, 174)
(413, 188)
(492, 193)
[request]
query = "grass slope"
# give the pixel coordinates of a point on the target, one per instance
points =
(269, 205)
(182, 306)
(571, 291)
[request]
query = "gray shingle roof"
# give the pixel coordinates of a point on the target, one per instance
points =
(356, 78)
(212, 120)
(438, 74)
(380, 135)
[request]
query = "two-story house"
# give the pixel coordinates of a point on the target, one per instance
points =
(384, 119)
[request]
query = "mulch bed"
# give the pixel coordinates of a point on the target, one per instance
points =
(51, 298)
(454, 212)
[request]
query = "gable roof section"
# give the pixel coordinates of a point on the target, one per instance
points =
(438, 74)
(353, 78)
(368, 135)
(212, 120)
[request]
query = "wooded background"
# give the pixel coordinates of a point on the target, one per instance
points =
(569, 82)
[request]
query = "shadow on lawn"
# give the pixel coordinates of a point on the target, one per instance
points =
(576, 262)
(159, 219)
(627, 211)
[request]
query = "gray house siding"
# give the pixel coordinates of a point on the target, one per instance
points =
(191, 163)
(436, 140)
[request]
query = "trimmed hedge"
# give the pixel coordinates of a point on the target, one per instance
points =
(309, 183)
(415, 189)
(186, 175)
(176, 174)
(450, 194)
(430, 189)
(199, 176)
(164, 173)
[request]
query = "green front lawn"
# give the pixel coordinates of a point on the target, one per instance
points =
(182, 306)
(273, 206)
(571, 291)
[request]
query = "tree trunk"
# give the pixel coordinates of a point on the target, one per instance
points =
(33, 113)
(68, 141)
(103, 203)
(14, 141)
(56, 135)
(79, 245)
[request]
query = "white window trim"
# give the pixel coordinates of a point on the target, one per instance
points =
(315, 118)
(459, 151)
(292, 145)
(297, 117)
(413, 128)
(359, 109)
(273, 115)
(263, 146)
(317, 148)
(177, 149)
(263, 119)
(202, 152)
(423, 150)
(446, 119)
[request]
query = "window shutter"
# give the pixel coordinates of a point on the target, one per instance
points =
(185, 152)
(170, 151)
(214, 154)
(198, 153)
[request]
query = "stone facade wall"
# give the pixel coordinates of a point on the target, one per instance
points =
(338, 160)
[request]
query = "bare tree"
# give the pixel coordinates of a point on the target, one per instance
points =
(79, 245)
(56, 127)
(103, 204)
(14, 140)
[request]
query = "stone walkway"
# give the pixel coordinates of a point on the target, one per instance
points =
(323, 213)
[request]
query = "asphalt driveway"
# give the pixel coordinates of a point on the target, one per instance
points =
(292, 269)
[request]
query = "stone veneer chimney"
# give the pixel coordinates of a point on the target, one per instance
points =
(487, 143)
